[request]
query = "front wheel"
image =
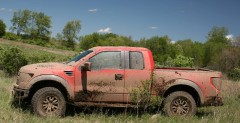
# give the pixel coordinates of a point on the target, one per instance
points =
(180, 103)
(48, 101)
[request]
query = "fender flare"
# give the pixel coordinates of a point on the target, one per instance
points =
(55, 78)
(188, 83)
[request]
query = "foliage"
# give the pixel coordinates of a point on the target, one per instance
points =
(2, 28)
(229, 59)
(20, 21)
(234, 74)
(109, 39)
(70, 31)
(142, 97)
(41, 26)
(211, 54)
(215, 44)
(218, 35)
(11, 36)
(12, 60)
(160, 47)
(180, 61)
(30, 53)
(31, 25)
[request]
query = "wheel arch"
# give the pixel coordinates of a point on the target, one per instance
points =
(51, 81)
(187, 86)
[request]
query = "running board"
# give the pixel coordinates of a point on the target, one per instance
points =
(103, 104)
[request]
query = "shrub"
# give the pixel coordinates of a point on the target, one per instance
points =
(180, 61)
(12, 60)
(11, 36)
(234, 74)
(2, 28)
(142, 97)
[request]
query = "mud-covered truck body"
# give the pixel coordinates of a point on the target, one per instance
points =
(110, 76)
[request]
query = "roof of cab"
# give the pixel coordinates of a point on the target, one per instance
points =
(126, 48)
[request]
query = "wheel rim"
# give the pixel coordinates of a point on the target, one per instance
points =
(180, 106)
(50, 104)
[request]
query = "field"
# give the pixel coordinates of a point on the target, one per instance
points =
(229, 112)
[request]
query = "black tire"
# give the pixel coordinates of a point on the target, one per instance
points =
(179, 103)
(48, 101)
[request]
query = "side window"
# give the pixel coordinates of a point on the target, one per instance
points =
(136, 60)
(103, 60)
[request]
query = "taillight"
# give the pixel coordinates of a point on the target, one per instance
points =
(217, 82)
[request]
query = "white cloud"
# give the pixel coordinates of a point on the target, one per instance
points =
(7, 10)
(93, 10)
(173, 42)
(229, 37)
(153, 27)
(106, 30)
(2, 9)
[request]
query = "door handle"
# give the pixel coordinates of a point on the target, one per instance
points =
(118, 77)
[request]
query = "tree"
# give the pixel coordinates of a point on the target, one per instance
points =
(70, 31)
(30, 24)
(41, 26)
(2, 28)
(218, 35)
(107, 39)
(160, 46)
(215, 44)
(20, 21)
(192, 49)
(229, 59)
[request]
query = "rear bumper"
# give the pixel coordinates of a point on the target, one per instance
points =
(213, 101)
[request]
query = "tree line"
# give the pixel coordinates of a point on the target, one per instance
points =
(217, 52)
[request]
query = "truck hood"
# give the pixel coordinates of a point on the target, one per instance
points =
(45, 68)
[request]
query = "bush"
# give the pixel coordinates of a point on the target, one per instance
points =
(2, 28)
(234, 74)
(11, 36)
(12, 60)
(180, 61)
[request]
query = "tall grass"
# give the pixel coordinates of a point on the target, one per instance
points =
(229, 112)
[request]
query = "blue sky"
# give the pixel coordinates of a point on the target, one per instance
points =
(179, 19)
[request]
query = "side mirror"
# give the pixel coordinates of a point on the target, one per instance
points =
(86, 66)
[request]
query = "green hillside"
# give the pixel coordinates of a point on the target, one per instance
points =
(30, 50)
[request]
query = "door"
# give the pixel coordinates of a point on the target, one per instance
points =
(105, 81)
(137, 74)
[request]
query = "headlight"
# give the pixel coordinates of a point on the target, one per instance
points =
(217, 82)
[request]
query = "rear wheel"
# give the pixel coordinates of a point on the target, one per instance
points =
(180, 103)
(48, 101)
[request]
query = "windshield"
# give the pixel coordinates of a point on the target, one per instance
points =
(78, 57)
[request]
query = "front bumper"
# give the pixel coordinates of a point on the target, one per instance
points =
(19, 93)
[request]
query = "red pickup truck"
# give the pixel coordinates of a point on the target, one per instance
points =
(109, 76)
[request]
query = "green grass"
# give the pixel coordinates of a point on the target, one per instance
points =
(35, 53)
(228, 113)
